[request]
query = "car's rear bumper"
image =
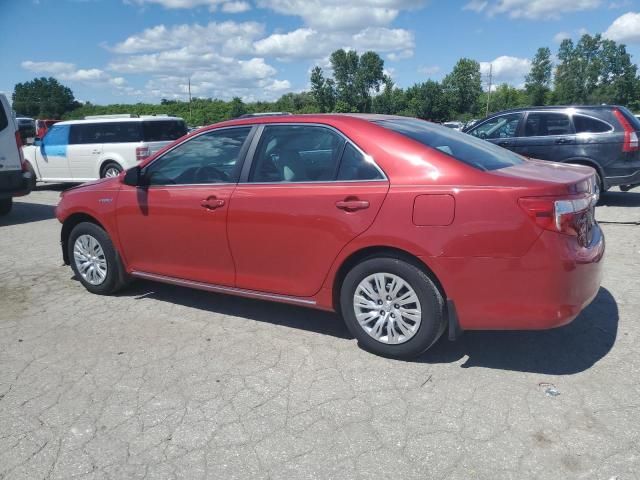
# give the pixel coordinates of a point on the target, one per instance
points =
(546, 288)
(15, 183)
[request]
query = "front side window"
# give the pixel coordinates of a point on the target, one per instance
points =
(504, 126)
(297, 153)
(465, 148)
(56, 140)
(546, 124)
(212, 157)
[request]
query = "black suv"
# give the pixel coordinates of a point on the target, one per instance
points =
(604, 137)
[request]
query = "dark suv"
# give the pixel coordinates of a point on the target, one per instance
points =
(604, 137)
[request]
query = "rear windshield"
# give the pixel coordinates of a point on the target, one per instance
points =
(477, 153)
(163, 130)
(633, 120)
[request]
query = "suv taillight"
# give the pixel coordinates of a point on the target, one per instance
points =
(631, 143)
(23, 164)
(142, 153)
(569, 216)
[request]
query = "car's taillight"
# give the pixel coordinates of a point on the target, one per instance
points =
(562, 215)
(23, 164)
(142, 153)
(631, 143)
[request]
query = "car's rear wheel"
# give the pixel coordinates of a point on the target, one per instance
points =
(6, 204)
(392, 307)
(110, 169)
(94, 260)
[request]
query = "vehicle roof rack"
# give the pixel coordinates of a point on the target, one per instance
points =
(115, 115)
(264, 114)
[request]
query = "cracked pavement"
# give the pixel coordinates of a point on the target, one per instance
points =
(162, 382)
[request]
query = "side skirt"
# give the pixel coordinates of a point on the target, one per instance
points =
(226, 290)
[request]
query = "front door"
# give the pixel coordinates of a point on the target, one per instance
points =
(176, 226)
(501, 130)
(308, 193)
(52, 156)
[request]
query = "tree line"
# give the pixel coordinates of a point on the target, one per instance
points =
(593, 70)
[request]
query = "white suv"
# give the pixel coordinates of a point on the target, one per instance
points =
(14, 179)
(99, 146)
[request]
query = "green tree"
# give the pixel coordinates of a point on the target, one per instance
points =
(505, 97)
(463, 87)
(428, 100)
(237, 107)
(323, 91)
(538, 81)
(391, 100)
(43, 98)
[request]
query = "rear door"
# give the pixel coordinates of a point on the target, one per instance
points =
(51, 157)
(307, 193)
(502, 130)
(548, 136)
(84, 151)
(9, 153)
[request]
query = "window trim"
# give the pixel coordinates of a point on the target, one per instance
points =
(251, 157)
(522, 114)
(242, 157)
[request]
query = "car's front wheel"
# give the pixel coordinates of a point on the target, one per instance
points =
(392, 307)
(94, 260)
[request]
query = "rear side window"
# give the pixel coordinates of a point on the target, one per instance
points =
(547, 124)
(355, 166)
(584, 124)
(4, 121)
(465, 148)
(163, 130)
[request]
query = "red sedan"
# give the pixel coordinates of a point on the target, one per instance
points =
(403, 227)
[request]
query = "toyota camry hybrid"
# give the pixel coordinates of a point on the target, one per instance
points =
(404, 227)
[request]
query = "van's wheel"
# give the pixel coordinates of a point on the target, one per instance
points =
(94, 260)
(33, 181)
(110, 169)
(392, 307)
(6, 204)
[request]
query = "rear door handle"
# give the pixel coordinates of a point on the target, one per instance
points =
(504, 143)
(212, 203)
(352, 205)
(562, 141)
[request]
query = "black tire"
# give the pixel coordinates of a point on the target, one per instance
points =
(6, 204)
(432, 307)
(108, 166)
(33, 181)
(116, 277)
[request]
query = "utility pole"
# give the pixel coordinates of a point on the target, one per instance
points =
(190, 117)
(489, 94)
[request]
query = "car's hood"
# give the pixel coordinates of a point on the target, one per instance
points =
(112, 183)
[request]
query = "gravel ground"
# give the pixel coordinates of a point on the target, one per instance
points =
(165, 382)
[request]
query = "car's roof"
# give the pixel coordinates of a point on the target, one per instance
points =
(119, 120)
(326, 118)
(556, 107)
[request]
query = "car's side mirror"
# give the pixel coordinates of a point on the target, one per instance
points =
(134, 177)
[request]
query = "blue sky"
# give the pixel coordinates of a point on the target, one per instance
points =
(127, 51)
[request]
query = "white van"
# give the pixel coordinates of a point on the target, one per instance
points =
(99, 146)
(14, 179)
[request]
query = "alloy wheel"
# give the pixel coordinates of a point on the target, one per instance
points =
(90, 259)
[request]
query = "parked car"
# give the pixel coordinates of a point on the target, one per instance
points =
(454, 125)
(403, 226)
(15, 181)
(43, 126)
(99, 146)
(27, 129)
(604, 137)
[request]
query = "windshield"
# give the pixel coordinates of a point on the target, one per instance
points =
(477, 153)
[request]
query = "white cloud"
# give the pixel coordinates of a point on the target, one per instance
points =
(177, 4)
(236, 7)
(532, 9)
(560, 36)
(341, 15)
(231, 37)
(48, 67)
(429, 70)
(625, 28)
(507, 69)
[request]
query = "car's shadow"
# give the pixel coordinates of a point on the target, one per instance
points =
(562, 351)
(620, 199)
(24, 212)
